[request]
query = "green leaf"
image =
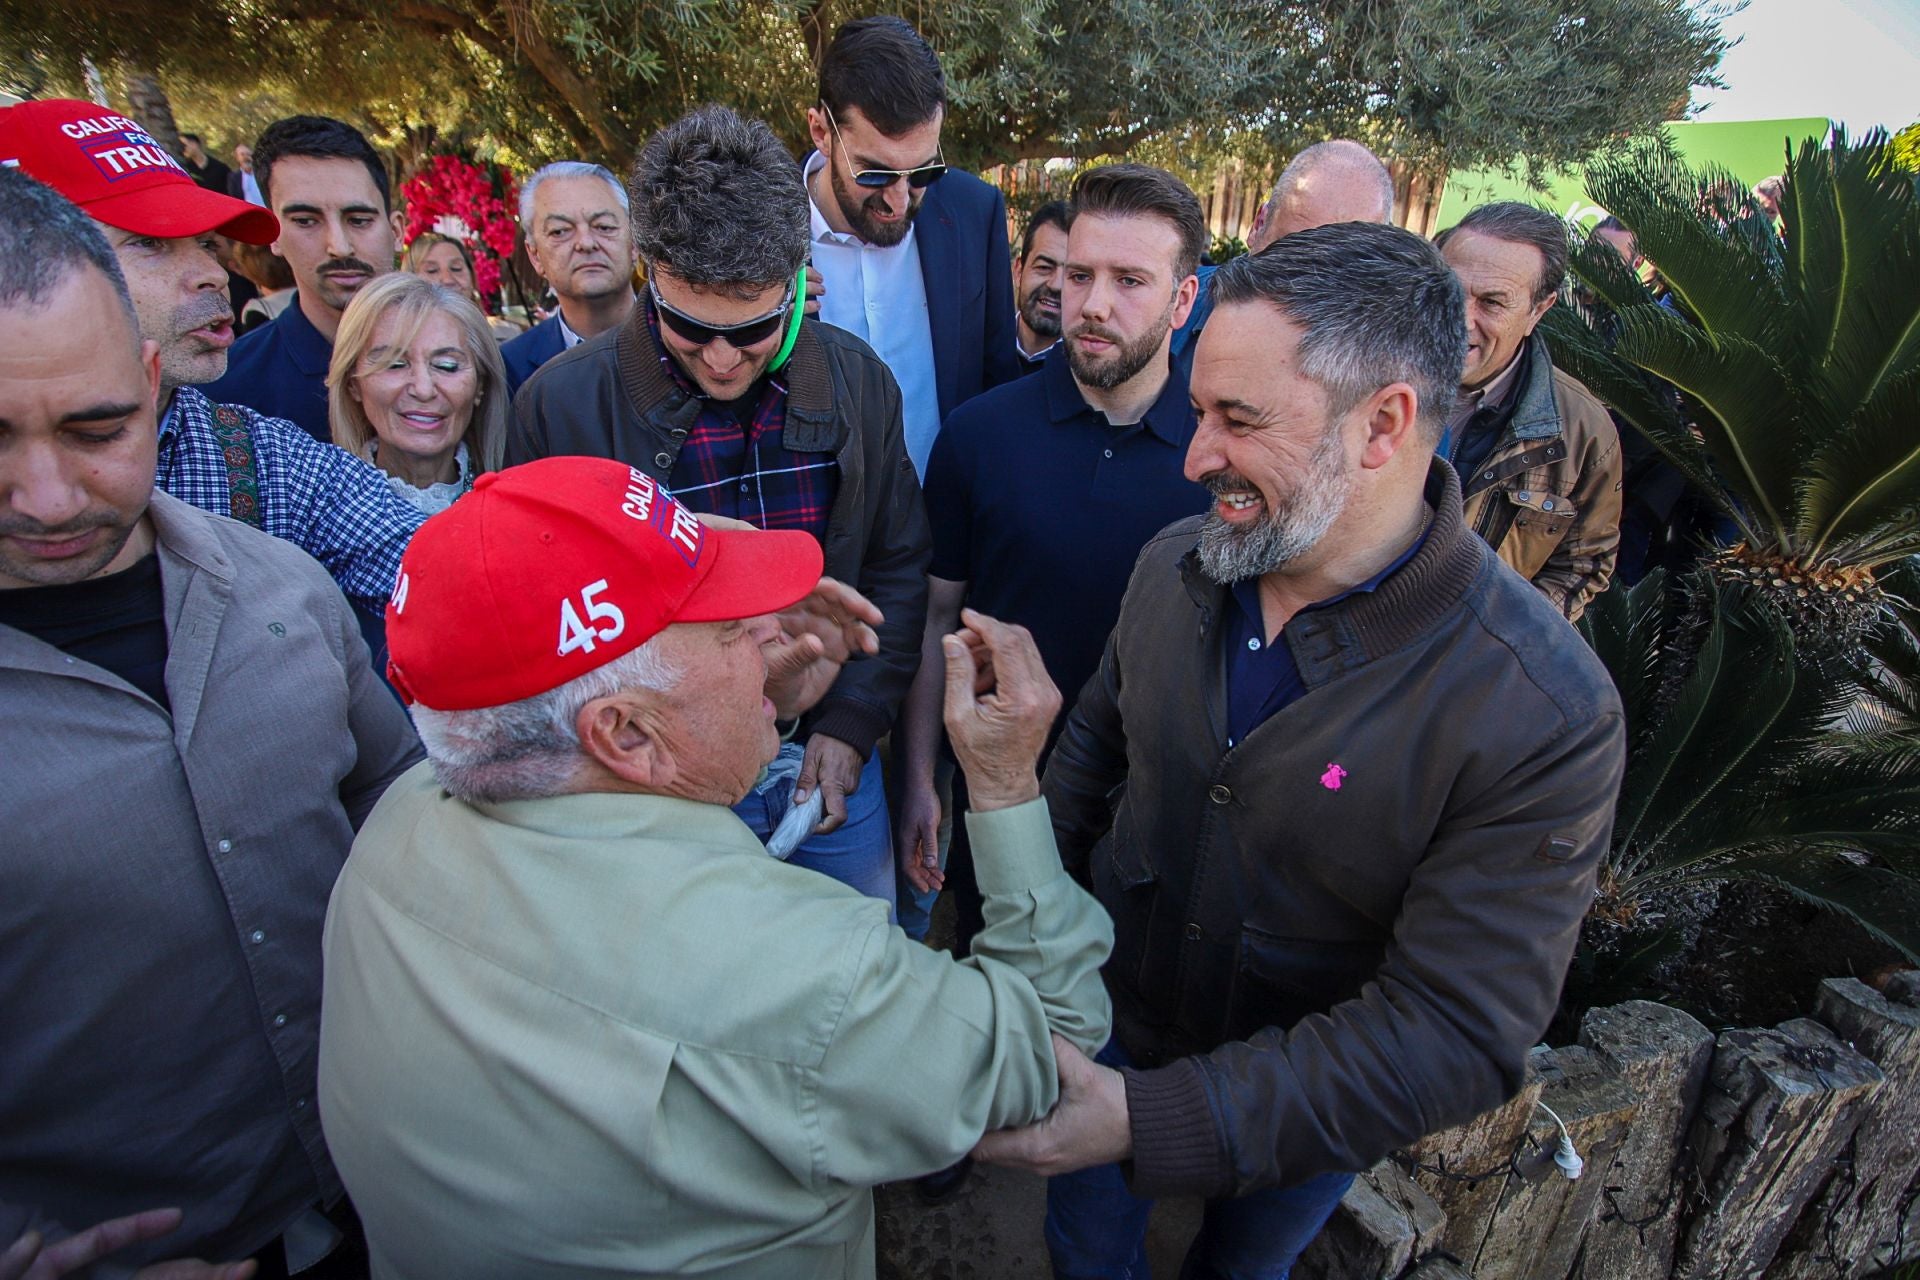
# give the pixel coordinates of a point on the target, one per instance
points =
(1868, 476)
(1884, 902)
(1750, 406)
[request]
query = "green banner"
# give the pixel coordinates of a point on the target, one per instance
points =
(1751, 149)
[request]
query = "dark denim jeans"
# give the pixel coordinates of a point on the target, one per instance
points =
(1097, 1229)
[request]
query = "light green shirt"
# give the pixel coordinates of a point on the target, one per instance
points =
(608, 1035)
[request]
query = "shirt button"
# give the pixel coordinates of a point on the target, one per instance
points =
(1524, 496)
(257, 936)
(662, 459)
(225, 846)
(279, 1019)
(1109, 453)
(743, 488)
(1219, 794)
(1253, 642)
(299, 1104)
(1193, 932)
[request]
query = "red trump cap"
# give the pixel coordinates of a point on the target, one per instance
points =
(548, 570)
(112, 168)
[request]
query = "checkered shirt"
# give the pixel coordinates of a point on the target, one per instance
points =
(748, 473)
(336, 508)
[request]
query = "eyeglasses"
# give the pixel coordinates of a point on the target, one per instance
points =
(919, 179)
(700, 333)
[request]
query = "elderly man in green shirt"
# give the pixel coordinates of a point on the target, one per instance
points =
(576, 1020)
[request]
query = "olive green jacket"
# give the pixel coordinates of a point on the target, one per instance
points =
(608, 1035)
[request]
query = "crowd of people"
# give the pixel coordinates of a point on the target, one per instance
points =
(477, 805)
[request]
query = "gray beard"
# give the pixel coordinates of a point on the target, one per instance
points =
(1228, 554)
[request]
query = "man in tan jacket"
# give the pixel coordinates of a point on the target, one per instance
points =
(1538, 457)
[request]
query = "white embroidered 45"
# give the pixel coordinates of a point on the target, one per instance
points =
(577, 634)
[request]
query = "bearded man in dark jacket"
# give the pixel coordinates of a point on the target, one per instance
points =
(717, 388)
(1343, 780)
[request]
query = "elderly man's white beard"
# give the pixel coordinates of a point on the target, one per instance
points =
(1230, 554)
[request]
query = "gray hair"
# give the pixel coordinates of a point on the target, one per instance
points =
(44, 238)
(1518, 223)
(719, 203)
(566, 169)
(1376, 305)
(530, 749)
(1336, 155)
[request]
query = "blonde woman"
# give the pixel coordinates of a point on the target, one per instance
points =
(417, 388)
(444, 260)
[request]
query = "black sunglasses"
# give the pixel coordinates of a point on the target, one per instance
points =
(700, 333)
(919, 179)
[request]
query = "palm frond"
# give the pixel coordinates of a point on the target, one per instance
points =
(1749, 405)
(1869, 475)
(1884, 902)
(1723, 281)
(1596, 265)
(1853, 269)
(1626, 628)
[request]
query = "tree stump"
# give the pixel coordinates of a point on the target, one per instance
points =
(1465, 1168)
(1543, 1214)
(1853, 1226)
(1663, 1055)
(1382, 1224)
(1778, 1108)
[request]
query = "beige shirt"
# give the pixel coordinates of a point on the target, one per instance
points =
(605, 1035)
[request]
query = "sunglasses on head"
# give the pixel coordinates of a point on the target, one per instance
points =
(700, 333)
(919, 179)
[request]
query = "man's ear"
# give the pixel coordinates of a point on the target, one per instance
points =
(620, 733)
(817, 131)
(398, 221)
(1540, 310)
(1392, 423)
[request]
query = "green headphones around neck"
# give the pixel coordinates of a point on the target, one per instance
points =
(793, 321)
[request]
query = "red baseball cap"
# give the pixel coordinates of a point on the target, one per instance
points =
(113, 169)
(553, 568)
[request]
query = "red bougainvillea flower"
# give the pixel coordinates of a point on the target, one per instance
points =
(477, 203)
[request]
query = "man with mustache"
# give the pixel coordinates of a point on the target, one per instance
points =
(338, 230)
(1041, 268)
(1042, 491)
(222, 458)
(913, 253)
(1342, 780)
(192, 735)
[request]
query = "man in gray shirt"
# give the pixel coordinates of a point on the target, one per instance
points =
(192, 736)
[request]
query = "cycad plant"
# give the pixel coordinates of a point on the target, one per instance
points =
(1780, 374)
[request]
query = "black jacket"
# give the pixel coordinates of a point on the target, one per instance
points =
(1347, 931)
(609, 397)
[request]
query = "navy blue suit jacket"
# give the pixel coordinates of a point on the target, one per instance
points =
(961, 232)
(280, 370)
(530, 350)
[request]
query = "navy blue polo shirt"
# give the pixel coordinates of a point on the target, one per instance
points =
(280, 370)
(1263, 679)
(1041, 506)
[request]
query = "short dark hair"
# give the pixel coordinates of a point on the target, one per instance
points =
(1134, 190)
(718, 201)
(1051, 214)
(1375, 305)
(886, 70)
(44, 238)
(1518, 223)
(1611, 223)
(191, 137)
(320, 137)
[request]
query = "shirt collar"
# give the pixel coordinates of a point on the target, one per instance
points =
(1170, 417)
(307, 346)
(1494, 394)
(1246, 592)
(568, 338)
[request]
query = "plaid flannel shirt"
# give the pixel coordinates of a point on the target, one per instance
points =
(745, 471)
(335, 507)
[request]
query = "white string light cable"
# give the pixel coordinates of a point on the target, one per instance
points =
(1564, 1154)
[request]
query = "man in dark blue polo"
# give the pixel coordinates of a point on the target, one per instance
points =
(913, 254)
(1042, 492)
(338, 230)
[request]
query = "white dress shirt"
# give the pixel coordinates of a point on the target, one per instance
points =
(880, 296)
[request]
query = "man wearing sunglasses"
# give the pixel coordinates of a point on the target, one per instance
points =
(914, 254)
(718, 388)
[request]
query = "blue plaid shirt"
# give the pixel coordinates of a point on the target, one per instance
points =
(330, 504)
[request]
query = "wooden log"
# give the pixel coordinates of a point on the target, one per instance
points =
(1543, 1214)
(1381, 1225)
(1778, 1108)
(1439, 1267)
(1853, 1227)
(1465, 1169)
(1663, 1055)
